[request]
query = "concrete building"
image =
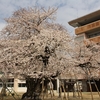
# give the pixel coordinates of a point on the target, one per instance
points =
(87, 27)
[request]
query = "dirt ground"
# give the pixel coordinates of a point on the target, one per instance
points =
(83, 96)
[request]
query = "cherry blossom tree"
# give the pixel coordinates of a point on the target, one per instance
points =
(87, 58)
(35, 48)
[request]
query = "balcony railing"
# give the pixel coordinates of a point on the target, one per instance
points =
(95, 39)
(87, 28)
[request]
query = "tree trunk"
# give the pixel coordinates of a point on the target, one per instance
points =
(34, 88)
(3, 91)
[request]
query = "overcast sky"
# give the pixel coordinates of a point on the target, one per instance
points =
(67, 9)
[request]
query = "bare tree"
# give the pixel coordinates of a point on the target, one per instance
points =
(35, 48)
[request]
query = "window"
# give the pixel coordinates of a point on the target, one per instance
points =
(22, 85)
(94, 34)
(10, 82)
(10, 85)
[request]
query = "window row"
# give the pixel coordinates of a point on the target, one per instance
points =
(7, 85)
(12, 84)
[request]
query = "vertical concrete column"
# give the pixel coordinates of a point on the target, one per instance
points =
(15, 84)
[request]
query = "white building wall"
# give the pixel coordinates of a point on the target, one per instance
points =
(16, 85)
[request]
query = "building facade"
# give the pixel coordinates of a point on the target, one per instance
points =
(87, 27)
(14, 85)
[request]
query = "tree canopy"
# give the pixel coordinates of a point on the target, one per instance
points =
(30, 32)
(33, 42)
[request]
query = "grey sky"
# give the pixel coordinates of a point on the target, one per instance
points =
(68, 9)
